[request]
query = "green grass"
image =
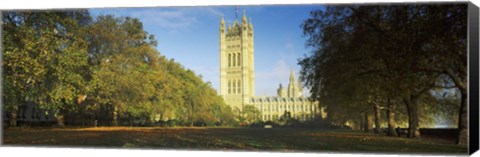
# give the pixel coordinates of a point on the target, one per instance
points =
(256, 139)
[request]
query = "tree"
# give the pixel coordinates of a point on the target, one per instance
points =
(399, 50)
(251, 113)
(56, 59)
(44, 53)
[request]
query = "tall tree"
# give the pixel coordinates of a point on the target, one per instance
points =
(44, 57)
(404, 48)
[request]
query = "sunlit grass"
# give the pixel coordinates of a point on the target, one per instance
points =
(257, 139)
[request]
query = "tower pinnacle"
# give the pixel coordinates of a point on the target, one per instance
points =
(292, 77)
(236, 12)
(250, 23)
(244, 18)
(222, 21)
(292, 89)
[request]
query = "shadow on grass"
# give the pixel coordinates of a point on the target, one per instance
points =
(254, 139)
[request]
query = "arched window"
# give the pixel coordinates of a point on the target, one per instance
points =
(234, 87)
(229, 60)
(238, 60)
(229, 87)
(239, 86)
(234, 60)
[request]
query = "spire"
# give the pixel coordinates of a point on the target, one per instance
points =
(292, 77)
(244, 18)
(235, 23)
(222, 21)
(292, 85)
(250, 23)
(236, 12)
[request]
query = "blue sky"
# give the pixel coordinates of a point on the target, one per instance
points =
(190, 36)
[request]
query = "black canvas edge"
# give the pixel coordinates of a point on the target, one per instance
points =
(473, 51)
(1, 77)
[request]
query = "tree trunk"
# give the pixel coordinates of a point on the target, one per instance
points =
(130, 120)
(115, 116)
(362, 123)
(13, 117)
(461, 83)
(148, 121)
(60, 120)
(356, 124)
(378, 129)
(191, 114)
(412, 108)
(368, 122)
(391, 118)
(95, 121)
(463, 121)
(320, 113)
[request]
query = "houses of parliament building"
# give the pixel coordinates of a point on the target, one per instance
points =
(237, 77)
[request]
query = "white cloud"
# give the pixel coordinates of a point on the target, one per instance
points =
(168, 19)
(211, 11)
(171, 18)
(179, 18)
(289, 45)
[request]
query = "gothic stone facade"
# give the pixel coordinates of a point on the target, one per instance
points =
(237, 77)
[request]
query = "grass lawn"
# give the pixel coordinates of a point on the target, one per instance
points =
(255, 139)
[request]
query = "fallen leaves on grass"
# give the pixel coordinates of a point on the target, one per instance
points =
(223, 138)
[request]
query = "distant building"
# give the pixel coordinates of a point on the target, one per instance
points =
(237, 77)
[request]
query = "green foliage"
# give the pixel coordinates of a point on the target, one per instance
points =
(44, 55)
(251, 114)
(53, 58)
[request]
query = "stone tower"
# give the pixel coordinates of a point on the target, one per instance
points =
(237, 78)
